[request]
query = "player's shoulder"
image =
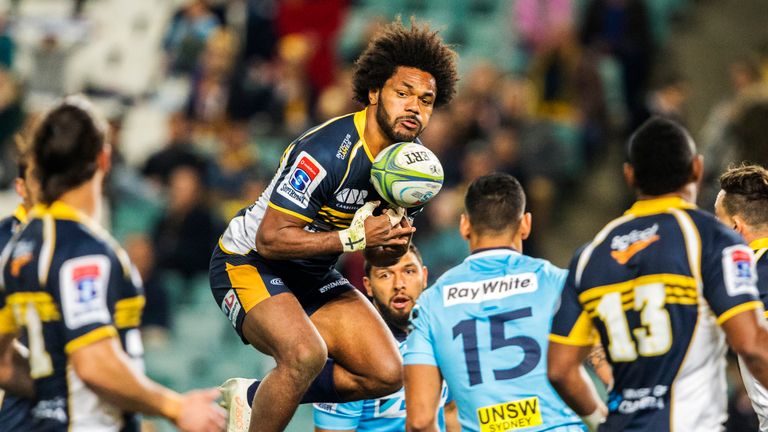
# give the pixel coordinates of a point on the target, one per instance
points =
(709, 227)
(330, 140)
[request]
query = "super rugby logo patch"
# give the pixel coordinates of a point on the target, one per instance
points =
(739, 270)
(303, 178)
(84, 282)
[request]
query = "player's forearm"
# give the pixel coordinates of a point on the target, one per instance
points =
(576, 390)
(105, 369)
(294, 242)
(14, 369)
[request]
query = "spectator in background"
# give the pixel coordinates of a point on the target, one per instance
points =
(667, 97)
(188, 229)
(7, 46)
(185, 40)
(11, 118)
(621, 29)
(156, 319)
(234, 162)
(177, 152)
(211, 82)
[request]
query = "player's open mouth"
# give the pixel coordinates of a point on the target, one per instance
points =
(410, 124)
(401, 302)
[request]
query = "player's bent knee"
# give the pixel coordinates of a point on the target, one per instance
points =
(388, 379)
(304, 360)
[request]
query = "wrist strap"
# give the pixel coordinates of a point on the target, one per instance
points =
(352, 240)
(593, 420)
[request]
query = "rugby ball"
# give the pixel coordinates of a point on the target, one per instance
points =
(407, 174)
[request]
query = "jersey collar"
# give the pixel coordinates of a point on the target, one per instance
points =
(20, 214)
(759, 243)
(658, 205)
(360, 126)
(486, 252)
(60, 210)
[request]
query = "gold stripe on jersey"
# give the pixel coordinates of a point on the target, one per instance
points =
(128, 312)
(582, 333)
(686, 283)
(7, 323)
(21, 214)
(89, 338)
(247, 283)
(360, 126)
(761, 243)
(41, 301)
(657, 205)
(290, 212)
(730, 313)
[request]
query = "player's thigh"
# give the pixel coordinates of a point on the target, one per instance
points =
(279, 327)
(356, 336)
(261, 308)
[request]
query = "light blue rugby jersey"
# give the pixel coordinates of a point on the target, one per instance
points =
(485, 324)
(386, 414)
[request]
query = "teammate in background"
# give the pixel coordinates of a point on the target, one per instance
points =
(272, 271)
(394, 290)
(658, 284)
(15, 410)
(76, 297)
(483, 326)
(742, 204)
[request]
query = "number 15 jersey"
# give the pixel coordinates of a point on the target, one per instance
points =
(656, 284)
(484, 324)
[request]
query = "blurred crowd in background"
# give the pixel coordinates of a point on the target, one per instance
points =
(203, 97)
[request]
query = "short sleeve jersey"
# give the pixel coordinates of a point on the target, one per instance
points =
(14, 411)
(654, 285)
(69, 285)
(323, 178)
(484, 324)
(386, 414)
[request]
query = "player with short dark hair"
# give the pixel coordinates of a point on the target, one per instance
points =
(483, 325)
(272, 272)
(393, 290)
(742, 204)
(659, 286)
(77, 299)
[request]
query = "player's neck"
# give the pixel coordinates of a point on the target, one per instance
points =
(477, 242)
(688, 193)
(750, 236)
(86, 197)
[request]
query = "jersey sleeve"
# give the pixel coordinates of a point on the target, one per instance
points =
(729, 276)
(84, 289)
(420, 343)
(571, 324)
(305, 181)
(338, 416)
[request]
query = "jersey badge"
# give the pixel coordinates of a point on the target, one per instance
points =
(624, 247)
(739, 270)
(303, 178)
(84, 290)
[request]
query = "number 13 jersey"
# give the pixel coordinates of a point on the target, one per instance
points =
(655, 284)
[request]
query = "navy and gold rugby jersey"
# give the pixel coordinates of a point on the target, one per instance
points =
(14, 411)
(69, 285)
(655, 284)
(323, 178)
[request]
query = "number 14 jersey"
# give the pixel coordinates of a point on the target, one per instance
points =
(655, 284)
(484, 324)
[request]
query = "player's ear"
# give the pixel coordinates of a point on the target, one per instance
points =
(104, 159)
(373, 96)
(367, 285)
(739, 225)
(465, 226)
(525, 225)
(629, 175)
(697, 169)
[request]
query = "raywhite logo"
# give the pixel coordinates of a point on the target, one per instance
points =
(352, 196)
(490, 289)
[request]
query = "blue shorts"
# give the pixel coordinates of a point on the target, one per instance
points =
(240, 282)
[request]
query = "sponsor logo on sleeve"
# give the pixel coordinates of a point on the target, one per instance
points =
(490, 289)
(331, 408)
(84, 284)
(231, 306)
(507, 416)
(739, 270)
(392, 406)
(302, 179)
